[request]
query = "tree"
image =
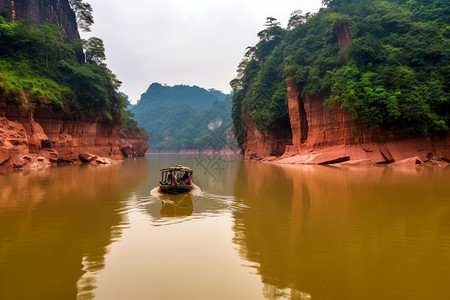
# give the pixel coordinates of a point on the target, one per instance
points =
(51, 34)
(83, 11)
(273, 28)
(95, 51)
(297, 18)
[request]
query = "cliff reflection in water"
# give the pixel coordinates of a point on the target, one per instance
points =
(55, 225)
(328, 233)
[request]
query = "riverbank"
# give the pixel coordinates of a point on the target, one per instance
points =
(42, 138)
(391, 154)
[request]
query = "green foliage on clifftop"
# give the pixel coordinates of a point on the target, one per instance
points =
(177, 117)
(36, 66)
(394, 74)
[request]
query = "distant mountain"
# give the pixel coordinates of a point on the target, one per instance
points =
(184, 117)
(194, 96)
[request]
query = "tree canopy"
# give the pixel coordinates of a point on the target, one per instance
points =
(177, 117)
(394, 74)
(36, 64)
(83, 12)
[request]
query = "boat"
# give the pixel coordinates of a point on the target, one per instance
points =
(175, 180)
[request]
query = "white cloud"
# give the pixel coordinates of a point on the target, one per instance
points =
(196, 42)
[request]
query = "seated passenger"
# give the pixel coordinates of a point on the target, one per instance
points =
(186, 178)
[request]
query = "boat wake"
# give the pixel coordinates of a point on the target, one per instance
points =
(195, 191)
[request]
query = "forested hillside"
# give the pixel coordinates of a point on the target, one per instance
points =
(36, 65)
(41, 65)
(59, 102)
(394, 72)
(183, 117)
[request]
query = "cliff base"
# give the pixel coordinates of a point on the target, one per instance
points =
(43, 137)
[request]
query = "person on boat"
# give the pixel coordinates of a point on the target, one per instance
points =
(186, 178)
(169, 178)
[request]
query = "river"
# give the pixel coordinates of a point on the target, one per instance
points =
(251, 231)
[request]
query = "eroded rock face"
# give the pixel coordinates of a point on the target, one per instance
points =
(132, 144)
(331, 136)
(258, 145)
(56, 12)
(343, 35)
(328, 135)
(70, 137)
(35, 139)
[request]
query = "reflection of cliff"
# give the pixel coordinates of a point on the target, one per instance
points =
(339, 234)
(52, 223)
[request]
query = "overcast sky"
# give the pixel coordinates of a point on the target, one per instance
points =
(193, 42)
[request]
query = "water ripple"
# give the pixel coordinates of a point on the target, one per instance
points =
(168, 209)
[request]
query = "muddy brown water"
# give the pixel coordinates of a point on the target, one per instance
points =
(250, 231)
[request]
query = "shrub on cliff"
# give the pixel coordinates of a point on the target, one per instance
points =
(394, 74)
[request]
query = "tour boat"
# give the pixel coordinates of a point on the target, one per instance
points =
(175, 180)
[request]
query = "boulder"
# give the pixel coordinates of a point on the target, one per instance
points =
(4, 157)
(103, 161)
(87, 157)
(18, 162)
(51, 154)
(357, 163)
(412, 161)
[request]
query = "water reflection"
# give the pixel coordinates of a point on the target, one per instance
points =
(166, 209)
(56, 224)
(212, 194)
(328, 233)
(177, 205)
(309, 233)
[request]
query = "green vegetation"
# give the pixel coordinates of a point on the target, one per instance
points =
(36, 66)
(83, 12)
(177, 117)
(394, 74)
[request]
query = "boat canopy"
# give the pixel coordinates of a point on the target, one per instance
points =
(177, 168)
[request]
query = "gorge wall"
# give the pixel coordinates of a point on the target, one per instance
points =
(56, 12)
(329, 135)
(326, 135)
(41, 137)
(269, 143)
(32, 134)
(132, 144)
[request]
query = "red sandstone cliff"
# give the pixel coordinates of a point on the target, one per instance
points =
(258, 145)
(329, 135)
(41, 137)
(325, 135)
(132, 144)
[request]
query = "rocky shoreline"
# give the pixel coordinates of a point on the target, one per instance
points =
(40, 138)
(344, 156)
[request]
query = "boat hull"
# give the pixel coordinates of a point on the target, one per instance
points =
(174, 189)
